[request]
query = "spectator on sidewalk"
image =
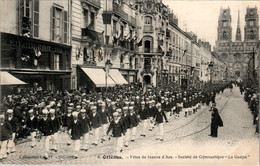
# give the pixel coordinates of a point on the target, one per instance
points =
(216, 121)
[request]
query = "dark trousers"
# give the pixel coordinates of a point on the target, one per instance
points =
(214, 130)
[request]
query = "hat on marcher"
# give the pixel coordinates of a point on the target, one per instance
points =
(83, 111)
(30, 111)
(158, 105)
(94, 108)
(131, 108)
(78, 107)
(10, 111)
(75, 114)
(45, 111)
(115, 114)
(142, 103)
(132, 103)
(52, 111)
(118, 110)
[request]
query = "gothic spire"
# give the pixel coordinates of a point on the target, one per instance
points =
(238, 34)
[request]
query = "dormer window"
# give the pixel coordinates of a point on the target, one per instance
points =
(225, 13)
(251, 12)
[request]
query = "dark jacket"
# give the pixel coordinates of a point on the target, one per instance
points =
(55, 124)
(14, 123)
(216, 119)
(104, 116)
(95, 121)
(32, 124)
(117, 129)
(5, 131)
(85, 124)
(126, 122)
(159, 116)
(76, 130)
(143, 114)
(133, 120)
(67, 120)
(45, 127)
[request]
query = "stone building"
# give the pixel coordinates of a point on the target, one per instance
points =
(238, 53)
(35, 42)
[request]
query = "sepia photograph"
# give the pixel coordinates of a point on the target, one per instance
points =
(129, 82)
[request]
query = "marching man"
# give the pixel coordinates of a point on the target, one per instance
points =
(159, 120)
(6, 134)
(46, 129)
(55, 128)
(85, 129)
(75, 131)
(133, 123)
(95, 122)
(117, 131)
(32, 124)
(104, 115)
(14, 124)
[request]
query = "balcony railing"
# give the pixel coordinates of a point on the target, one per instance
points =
(117, 9)
(93, 2)
(149, 50)
(148, 28)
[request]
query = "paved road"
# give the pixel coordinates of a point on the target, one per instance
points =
(184, 138)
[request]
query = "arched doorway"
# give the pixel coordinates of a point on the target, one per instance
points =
(147, 80)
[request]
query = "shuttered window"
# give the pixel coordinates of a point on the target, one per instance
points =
(65, 27)
(36, 18)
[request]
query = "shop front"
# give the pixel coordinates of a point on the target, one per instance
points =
(44, 63)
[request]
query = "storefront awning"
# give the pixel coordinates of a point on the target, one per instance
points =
(98, 76)
(8, 79)
(117, 76)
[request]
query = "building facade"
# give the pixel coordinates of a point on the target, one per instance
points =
(35, 42)
(238, 53)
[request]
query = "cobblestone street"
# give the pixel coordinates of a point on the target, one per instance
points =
(183, 137)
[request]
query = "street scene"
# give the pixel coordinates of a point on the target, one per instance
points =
(93, 82)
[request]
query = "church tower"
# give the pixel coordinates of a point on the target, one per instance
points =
(238, 33)
(224, 25)
(252, 25)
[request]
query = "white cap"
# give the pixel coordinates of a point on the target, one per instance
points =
(30, 111)
(94, 107)
(52, 111)
(2, 116)
(131, 108)
(125, 108)
(45, 111)
(115, 114)
(83, 110)
(75, 114)
(10, 111)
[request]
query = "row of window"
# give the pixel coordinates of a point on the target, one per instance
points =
(29, 18)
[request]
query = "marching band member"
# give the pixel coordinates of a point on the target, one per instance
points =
(46, 129)
(133, 123)
(143, 117)
(159, 120)
(126, 124)
(104, 115)
(55, 129)
(117, 131)
(75, 130)
(95, 122)
(6, 134)
(14, 124)
(85, 129)
(32, 124)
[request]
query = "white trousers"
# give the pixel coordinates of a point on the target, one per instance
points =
(3, 149)
(76, 144)
(33, 135)
(160, 130)
(11, 144)
(118, 143)
(126, 137)
(104, 130)
(47, 144)
(95, 135)
(85, 141)
(150, 122)
(145, 125)
(133, 133)
(54, 140)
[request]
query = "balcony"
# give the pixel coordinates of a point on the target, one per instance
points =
(147, 71)
(93, 35)
(149, 51)
(96, 3)
(148, 28)
(117, 9)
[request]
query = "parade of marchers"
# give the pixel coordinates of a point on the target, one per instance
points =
(114, 115)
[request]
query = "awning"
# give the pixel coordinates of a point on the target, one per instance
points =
(117, 76)
(8, 79)
(98, 76)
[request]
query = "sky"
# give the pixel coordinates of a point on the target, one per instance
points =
(201, 16)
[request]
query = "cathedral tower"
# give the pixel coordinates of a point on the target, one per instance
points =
(224, 25)
(252, 25)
